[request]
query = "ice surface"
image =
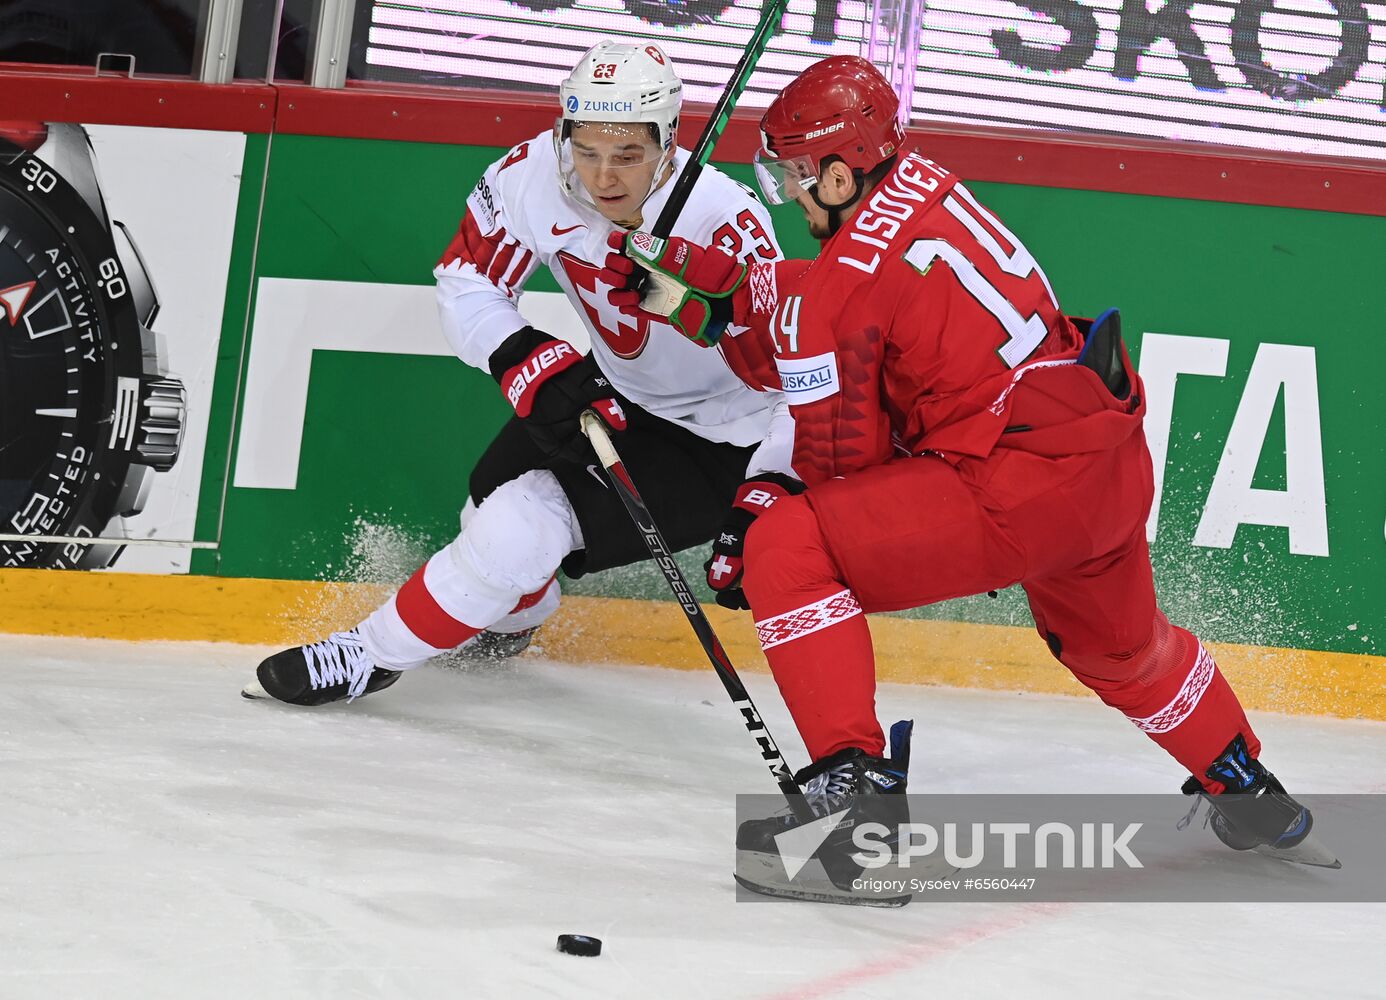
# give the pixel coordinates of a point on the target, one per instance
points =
(163, 837)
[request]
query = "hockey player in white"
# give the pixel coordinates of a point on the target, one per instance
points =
(692, 431)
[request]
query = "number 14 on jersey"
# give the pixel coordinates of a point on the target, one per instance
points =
(1024, 334)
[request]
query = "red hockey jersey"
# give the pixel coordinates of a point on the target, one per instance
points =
(923, 325)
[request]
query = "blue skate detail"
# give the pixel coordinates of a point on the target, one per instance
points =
(1296, 833)
(900, 736)
(885, 778)
(1234, 768)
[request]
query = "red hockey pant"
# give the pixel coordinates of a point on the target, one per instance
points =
(1071, 530)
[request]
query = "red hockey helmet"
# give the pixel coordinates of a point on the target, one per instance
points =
(841, 106)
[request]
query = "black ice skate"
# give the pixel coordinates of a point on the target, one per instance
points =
(1255, 813)
(327, 671)
(859, 787)
(493, 647)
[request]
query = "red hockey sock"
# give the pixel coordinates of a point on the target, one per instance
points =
(821, 656)
(1201, 717)
(813, 632)
(1174, 692)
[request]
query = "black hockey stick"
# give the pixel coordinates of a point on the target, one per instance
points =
(770, 16)
(595, 429)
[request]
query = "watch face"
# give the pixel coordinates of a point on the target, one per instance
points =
(69, 365)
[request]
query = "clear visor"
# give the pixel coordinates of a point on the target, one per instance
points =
(598, 146)
(783, 180)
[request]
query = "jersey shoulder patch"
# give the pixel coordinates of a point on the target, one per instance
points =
(484, 206)
(807, 380)
(515, 186)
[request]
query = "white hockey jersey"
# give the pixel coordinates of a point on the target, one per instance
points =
(518, 218)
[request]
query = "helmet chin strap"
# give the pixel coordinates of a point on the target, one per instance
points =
(835, 211)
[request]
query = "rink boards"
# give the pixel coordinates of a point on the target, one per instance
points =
(625, 631)
(332, 433)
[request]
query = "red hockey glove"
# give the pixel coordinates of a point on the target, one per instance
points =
(689, 286)
(549, 383)
(724, 569)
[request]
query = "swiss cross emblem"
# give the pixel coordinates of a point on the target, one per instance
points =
(625, 335)
(720, 568)
(653, 52)
(615, 416)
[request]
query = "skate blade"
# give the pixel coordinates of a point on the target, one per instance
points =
(255, 692)
(1309, 851)
(765, 874)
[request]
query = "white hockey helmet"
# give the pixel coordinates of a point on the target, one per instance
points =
(618, 82)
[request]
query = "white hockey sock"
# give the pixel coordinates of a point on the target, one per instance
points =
(532, 616)
(510, 547)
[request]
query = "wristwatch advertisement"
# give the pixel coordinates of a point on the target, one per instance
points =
(91, 418)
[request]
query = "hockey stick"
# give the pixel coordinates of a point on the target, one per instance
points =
(595, 429)
(770, 16)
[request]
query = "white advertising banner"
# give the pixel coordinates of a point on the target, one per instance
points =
(1304, 76)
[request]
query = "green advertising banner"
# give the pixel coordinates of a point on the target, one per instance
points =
(353, 429)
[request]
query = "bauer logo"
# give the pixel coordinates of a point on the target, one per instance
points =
(829, 130)
(807, 380)
(523, 377)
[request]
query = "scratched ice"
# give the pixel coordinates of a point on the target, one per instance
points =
(163, 838)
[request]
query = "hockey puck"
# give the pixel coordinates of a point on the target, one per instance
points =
(579, 944)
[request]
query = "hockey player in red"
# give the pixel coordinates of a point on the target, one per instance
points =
(955, 433)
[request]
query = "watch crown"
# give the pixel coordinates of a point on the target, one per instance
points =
(163, 413)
